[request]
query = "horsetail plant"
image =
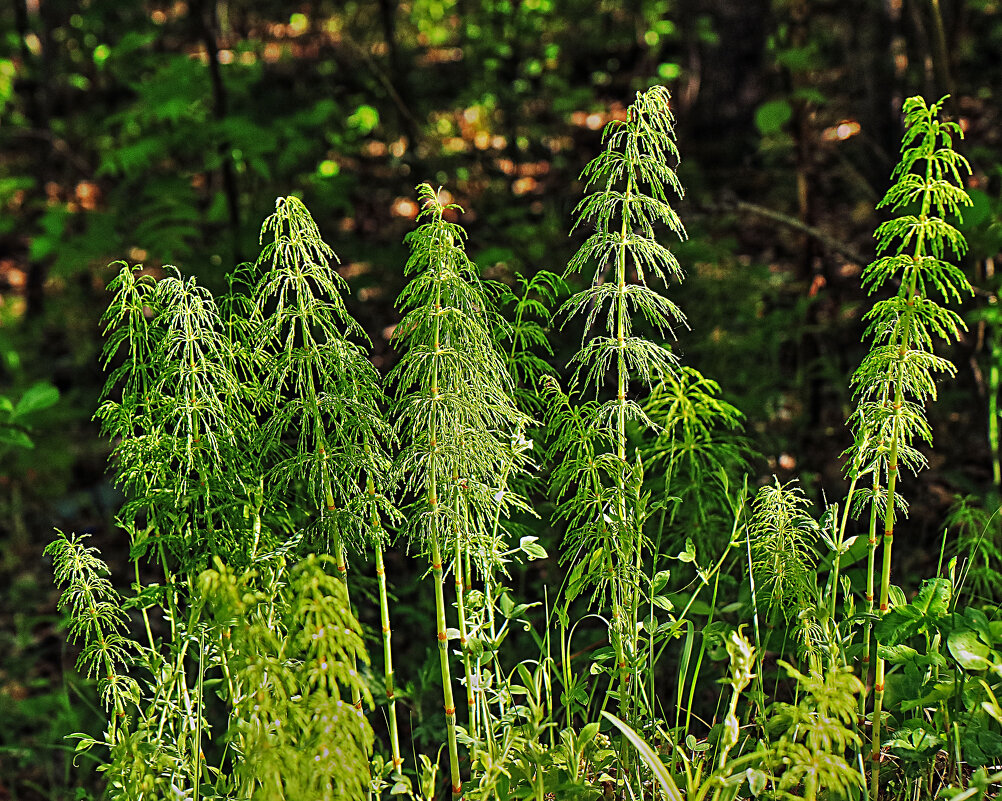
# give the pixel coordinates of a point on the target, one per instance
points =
(897, 377)
(289, 647)
(322, 393)
(244, 438)
(455, 418)
(782, 538)
(628, 186)
(181, 430)
(180, 425)
(96, 617)
(321, 390)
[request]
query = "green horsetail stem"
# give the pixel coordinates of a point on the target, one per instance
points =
(627, 188)
(896, 378)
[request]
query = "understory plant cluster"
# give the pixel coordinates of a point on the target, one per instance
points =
(707, 638)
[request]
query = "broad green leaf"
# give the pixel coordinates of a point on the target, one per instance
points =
(896, 653)
(934, 597)
(978, 621)
(37, 397)
(940, 691)
(916, 740)
(968, 650)
(531, 548)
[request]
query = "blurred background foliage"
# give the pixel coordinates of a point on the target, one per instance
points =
(161, 132)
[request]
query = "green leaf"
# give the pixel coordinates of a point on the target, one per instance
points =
(516, 610)
(578, 694)
(531, 548)
(896, 596)
(689, 554)
(934, 597)
(660, 581)
(15, 437)
(968, 650)
(662, 602)
(151, 595)
(697, 607)
(588, 733)
(37, 397)
(978, 621)
(772, 116)
(756, 781)
(896, 654)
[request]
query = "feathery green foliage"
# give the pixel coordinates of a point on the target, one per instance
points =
(249, 432)
(810, 759)
(782, 536)
(454, 411)
(216, 421)
(456, 419)
(978, 548)
(897, 377)
(531, 311)
(321, 390)
(96, 618)
(698, 451)
(180, 425)
(628, 187)
(289, 647)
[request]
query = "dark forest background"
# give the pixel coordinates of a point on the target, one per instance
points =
(161, 133)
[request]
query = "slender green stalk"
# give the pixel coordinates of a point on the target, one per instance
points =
(384, 619)
(460, 565)
(871, 558)
(443, 654)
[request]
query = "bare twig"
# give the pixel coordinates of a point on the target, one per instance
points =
(828, 242)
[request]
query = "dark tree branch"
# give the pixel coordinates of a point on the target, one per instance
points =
(830, 243)
(205, 16)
